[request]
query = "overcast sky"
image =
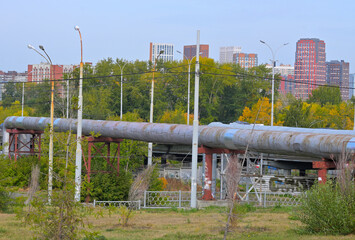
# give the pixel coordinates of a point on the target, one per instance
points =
(123, 29)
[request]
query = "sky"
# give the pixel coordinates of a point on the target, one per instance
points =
(124, 29)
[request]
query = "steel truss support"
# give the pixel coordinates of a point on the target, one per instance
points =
(322, 167)
(96, 146)
(18, 147)
(208, 153)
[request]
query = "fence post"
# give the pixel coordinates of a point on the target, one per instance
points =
(145, 201)
(94, 202)
(139, 204)
(265, 199)
(179, 198)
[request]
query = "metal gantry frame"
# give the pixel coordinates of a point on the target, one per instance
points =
(17, 146)
(96, 147)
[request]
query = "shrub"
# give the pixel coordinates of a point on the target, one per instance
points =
(125, 214)
(327, 209)
(4, 200)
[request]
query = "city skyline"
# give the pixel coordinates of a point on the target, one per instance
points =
(124, 30)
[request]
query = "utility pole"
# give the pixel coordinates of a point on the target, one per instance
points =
(79, 153)
(195, 129)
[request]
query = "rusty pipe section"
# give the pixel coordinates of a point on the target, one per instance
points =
(295, 143)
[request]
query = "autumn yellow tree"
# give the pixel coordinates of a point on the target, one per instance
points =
(260, 112)
(176, 116)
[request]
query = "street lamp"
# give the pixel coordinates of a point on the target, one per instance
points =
(79, 153)
(194, 159)
(121, 68)
(50, 161)
(150, 145)
(273, 78)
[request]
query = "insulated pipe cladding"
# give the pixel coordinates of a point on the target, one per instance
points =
(319, 143)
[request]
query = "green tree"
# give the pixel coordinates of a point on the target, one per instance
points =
(325, 94)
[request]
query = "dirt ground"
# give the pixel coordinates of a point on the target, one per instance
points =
(183, 224)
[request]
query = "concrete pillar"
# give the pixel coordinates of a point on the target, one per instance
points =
(5, 142)
(322, 167)
(207, 195)
(214, 174)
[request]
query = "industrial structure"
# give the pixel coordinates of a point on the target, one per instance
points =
(290, 148)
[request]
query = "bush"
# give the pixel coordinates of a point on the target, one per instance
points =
(4, 200)
(327, 209)
(109, 187)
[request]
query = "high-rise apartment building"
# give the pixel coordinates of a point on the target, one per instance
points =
(287, 77)
(283, 70)
(338, 75)
(246, 60)
(167, 55)
(226, 53)
(309, 66)
(351, 85)
(190, 51)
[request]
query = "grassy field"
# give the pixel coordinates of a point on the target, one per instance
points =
(275, 223)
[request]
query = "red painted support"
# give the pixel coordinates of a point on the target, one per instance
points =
(322, 167)
(94, 143)
(27, 147)
(207, 188)
(99, 143)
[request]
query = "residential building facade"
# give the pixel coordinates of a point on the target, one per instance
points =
(156, 48)
(226, 53)
(337, 74)
(287, 77)
(39, 72)
(190, 51)
(310, 70)
(246, 60)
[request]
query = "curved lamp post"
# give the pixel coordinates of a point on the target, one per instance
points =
(50, 161)
(78, 155)
(273, 78)
(150, 145)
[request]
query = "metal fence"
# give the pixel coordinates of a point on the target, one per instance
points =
(270, 199)
(181, 199)
(130, 204)
(166, 199)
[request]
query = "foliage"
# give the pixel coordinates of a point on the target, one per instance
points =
(63, 219)
(176, 116)
(125, 214)
(4, 199)
(326, 209)
(61, 216)
(16, 173)
(109, 186)
(155, 183)
(325, 95)
(14, 109)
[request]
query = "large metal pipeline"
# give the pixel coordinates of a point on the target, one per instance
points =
(325, 143)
